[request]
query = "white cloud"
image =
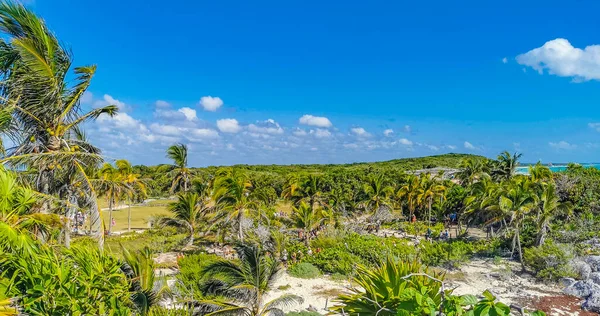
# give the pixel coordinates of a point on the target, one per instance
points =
(469, 146)
(432, 147)
(405, 142)
(504, 60)
(351, 146)
(318, 121)
(360, 132)
(562, 145)
(162, 104)
(560, 58)
(320, 133)
(109, 100)
(86, 98)
(190, 114)
(228, 125)
(266, 127)
(595, 126)
(451, 147)
(202, 133)
(407, 129)
(211, 103)
(388, 132)
(299, 132)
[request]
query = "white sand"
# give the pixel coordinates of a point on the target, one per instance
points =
(315, 292)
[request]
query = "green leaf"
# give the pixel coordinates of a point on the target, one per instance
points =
(469, 300)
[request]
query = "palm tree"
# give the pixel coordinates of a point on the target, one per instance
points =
(190, 211)
(112, 185)
(540, 173)
(410, 192)
(377, 192)
(139, 268)
(40, 110)
(137, 186)
(548, 208)
(306, 218)
(430, 189)
(181, 174)
(44, 106)
(241, 285)
(232, 195)
(517, 200)
(506, 165)
(471, 169)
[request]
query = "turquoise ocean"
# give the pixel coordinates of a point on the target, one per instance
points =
(558, 167)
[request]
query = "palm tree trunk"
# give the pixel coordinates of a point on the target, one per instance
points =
(129, 217)
(240, 227)
(520, 249)
(110, 217)
(542, 234)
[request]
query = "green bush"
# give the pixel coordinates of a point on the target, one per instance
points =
(449, 254)
(549, 261)
(304, 270)
(158, 240)
(420, 228)
(190, 277)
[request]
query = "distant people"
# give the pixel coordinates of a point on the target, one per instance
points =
(453, 217)
(310, 252)
(445, 235)
(414, 219)
(428, 234)
(113, 222)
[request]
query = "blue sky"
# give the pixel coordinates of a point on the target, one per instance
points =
(338, 81)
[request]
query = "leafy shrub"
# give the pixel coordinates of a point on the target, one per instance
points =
(420, 228)
(191, 277)
(304, 270)
(450, 254)
(549, 261)
(158, 240)
(284, 287)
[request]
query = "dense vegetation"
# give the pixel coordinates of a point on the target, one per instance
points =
(313, 219)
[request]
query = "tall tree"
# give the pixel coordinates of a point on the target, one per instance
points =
(190, 211)
(377, 192)
(132, 180)
(429, 190)
(46, 112)
(181, 174)
(549, 206)
(112, 185)
(517, 200)
(409, 192)
(233, 197)
(506, 165)
(306, 218)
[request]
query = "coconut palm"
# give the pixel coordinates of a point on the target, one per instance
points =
(132, 180)
(189, 211)
(45, 109)
(241, 285)
(429, 190)
(506, 165)
(540, 173)
(517, 200)
(548, 208)
(139, 268)
(471, 169)
(181, 174)
(113, 186)
(377, 192)
(233, 198)
(409, 192)
(307, 219)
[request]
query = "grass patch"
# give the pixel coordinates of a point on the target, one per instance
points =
(304, 270)
(139, 216)
(284, 287)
